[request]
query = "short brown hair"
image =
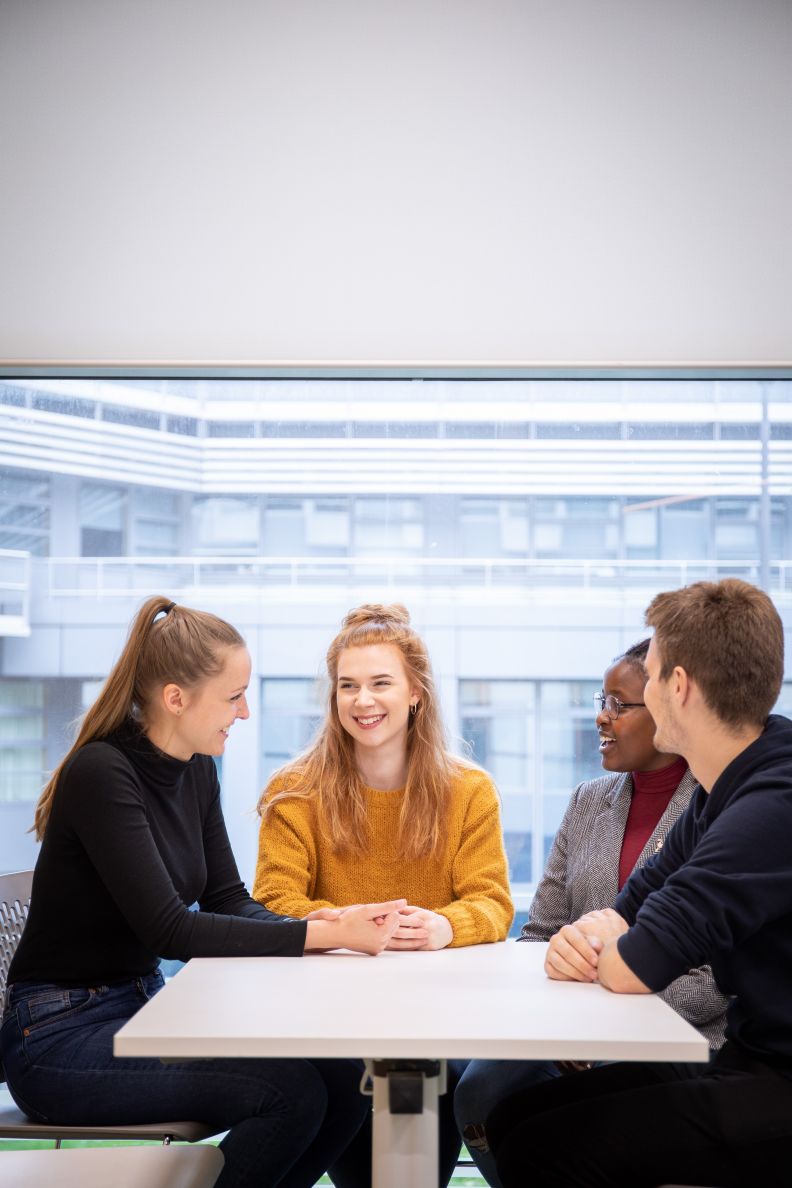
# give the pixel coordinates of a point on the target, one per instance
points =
(728, 637)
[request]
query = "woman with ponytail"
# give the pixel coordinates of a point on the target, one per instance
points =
(378, 807)
(132, 835)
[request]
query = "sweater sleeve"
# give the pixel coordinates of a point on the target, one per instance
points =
(550, 908)
(701, 908)
(287, 856)
(696, 997)
(482, 909)
(109, 818)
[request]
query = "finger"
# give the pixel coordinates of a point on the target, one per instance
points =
(390, 924)
(570, 949)
(382, 909)
(592, 930)
(396, 944)
(580, 945)
(421, 934)
(561, 970)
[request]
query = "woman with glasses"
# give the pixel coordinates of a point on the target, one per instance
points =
(612, 825)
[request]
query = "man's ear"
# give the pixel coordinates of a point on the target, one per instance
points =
(682, 685)
(173, 699)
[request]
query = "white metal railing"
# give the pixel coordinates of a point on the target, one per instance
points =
(14, 592)
(250, 578)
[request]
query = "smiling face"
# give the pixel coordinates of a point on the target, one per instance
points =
(374, 695)
(658, 697)
(205, 713)
(628, 743)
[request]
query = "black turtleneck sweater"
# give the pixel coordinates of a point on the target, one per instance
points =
(720, 892)
(133, 840)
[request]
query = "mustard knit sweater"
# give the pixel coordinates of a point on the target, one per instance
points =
(467, 881)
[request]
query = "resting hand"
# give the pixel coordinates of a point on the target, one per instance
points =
(605, 924)
(572, 956)
(420, 928)
(365, 929)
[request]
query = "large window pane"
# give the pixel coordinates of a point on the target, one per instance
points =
(525, 523)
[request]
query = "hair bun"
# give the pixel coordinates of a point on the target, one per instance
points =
(377, 612)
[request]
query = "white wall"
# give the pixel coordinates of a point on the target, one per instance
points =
(510, 181)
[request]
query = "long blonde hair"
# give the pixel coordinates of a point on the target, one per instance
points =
(327, 770)
(166, 643)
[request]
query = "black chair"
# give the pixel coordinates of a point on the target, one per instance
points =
(14, 903)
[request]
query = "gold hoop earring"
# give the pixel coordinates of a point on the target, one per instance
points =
(414, 708)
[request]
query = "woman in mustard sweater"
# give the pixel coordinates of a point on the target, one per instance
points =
(378, 808)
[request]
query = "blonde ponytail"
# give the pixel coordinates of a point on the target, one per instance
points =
(166, 642)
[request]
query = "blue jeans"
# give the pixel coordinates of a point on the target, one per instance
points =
(287, 1120)
(482, 1086)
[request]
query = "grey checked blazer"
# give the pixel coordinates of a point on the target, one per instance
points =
(582, 872)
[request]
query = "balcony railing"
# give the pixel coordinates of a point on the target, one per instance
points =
(462, 580)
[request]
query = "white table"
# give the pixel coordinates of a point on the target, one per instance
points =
(488, 1001)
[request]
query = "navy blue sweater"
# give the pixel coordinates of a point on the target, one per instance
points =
(720, 892)
(134, 839)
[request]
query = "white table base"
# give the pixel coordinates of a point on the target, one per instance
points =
(405, 1145)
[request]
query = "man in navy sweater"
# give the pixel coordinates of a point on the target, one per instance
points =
(719, 892)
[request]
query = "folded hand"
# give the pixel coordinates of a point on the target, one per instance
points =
(420, 928)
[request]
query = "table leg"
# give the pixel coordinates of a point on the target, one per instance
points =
(405, 1123)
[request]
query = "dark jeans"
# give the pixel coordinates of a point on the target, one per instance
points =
(287, 1120)
(353, 1168)
(483, 1085)
(728, 1123)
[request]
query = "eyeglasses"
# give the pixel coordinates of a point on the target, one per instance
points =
(612, 706)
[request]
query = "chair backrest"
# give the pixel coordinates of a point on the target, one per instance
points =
(14, 903)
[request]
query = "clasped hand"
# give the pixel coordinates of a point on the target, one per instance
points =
(573, 953)
(420, 928)
(406, 927)
(366, 928)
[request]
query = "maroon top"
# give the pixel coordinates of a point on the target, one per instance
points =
(652, 792)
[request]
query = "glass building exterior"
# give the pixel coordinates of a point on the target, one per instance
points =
(525, 524)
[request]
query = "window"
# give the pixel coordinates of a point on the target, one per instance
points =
(225, 524)
(498, 721)
(538, 739)
(387, 525)
(685, 530)
(156, 522)
(577, 528)
(24, 512)
(495, 527)
(22, 749)
(290, 715)
(102, 520)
